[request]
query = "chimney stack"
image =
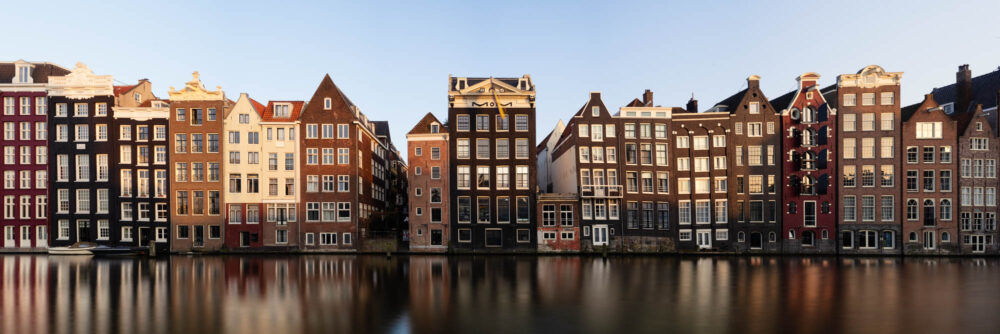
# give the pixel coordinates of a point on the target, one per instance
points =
(963, 85)
(692, 105)
(753, 81)
(647, 98)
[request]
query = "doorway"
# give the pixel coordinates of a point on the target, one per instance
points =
(199, 236)
(25, 237)
(756, 240)
(600, 235)
(144, 236)
(244, 239)
(704, 239)
(978, 243)
(82, 230)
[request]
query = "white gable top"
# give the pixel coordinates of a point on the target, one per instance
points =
(81, 83)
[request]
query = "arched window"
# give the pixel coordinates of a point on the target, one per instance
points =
(945, 210)
(772, 237)
(791, 234)
(911, 210)
(929, 213)
(741, 237)
(808, 137)
(808, 186)
(945, 237)
(808, 115)
(808, 161)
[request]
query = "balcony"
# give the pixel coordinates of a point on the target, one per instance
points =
(601, 191)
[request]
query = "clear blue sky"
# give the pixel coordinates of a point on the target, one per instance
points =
(393, 58)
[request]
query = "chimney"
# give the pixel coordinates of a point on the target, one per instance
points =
(753, 81)
(692, 105)
(647, 98)
(963, 85)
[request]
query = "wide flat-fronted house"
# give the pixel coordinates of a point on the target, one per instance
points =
(244, 165)
(429, 179)
(869, 137)
(80, 121)
(493, 163)
(24, 101)
(753, 161)
(141, 138)
(342, 171)
(196, 156)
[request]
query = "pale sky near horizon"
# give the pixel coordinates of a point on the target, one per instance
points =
(393, 58)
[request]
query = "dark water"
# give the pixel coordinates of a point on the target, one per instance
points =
(498, 294)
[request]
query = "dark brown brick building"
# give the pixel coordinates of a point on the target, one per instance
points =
(869, 137)
(493, 163)
(701, 176)
(755, 127)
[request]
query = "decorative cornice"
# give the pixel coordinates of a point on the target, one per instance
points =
(81, 83)
(870, 77)
(194, 90)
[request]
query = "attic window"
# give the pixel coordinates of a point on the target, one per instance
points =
(595, 111)
(979, 126)
(282, 110)
(435, 128)
(482, 90)
(23, 74)
(137, 97)
(327, 103)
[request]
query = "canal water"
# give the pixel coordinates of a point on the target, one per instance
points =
(497, 294)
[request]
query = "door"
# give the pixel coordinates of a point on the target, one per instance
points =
(436, 237)
(244, 239)
(42, 237)
(199, 236)
(8, 237)
(978, 243)
(600, 235)
(144, 236)
(82, 230)
(756, 240)
(704, 239)
(25, 237)
(929, 240)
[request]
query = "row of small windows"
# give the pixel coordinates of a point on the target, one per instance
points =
(868, 99)
(483, 173)
(521, 148)
(483, 123)
(503, 210)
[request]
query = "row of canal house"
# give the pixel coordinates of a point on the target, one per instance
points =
(818, 170)
(88, 160)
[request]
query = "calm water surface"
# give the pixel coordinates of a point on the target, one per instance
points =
(497, 294)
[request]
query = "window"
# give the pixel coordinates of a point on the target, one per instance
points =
(521, 148)
(929, 130)
(887, 149)
(945, 176)
(888, 176)
(888, 98)
(521, 122)
(928, 154)
(944, 154)
(754, 129)
(849, 122)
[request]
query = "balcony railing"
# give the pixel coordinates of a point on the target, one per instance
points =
(593, 191)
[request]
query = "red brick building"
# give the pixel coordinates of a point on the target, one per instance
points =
(928, 169)
(558, 225)
(809, 171)
(429, 179)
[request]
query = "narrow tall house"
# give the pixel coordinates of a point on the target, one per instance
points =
(343, 171)
(141, 138)
(280, 183)
(244, 165)
(25, 104)
(929, 195)
(196, 127)
(753, 163)
(80, 117)
(809, 169)
(582, 159)
(429, 185)
(645, 132)
(869, 137)
(702, 177)
(491, 124)
(973, 101)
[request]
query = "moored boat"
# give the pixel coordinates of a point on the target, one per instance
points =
(80, 248)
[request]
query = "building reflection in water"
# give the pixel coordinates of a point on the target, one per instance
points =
(496, 294)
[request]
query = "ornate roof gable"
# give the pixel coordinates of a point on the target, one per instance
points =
(81, 83)
(194, 90)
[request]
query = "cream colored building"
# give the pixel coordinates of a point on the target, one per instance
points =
(244, 165)
(280, 172)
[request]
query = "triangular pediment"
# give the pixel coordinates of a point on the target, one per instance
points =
(488, 86)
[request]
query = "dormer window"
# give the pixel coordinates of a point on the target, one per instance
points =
(808, 115)
(949, 108)
(282, 110)
(435, 128)
(327, 103)
(137, 97)
(23, 73)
